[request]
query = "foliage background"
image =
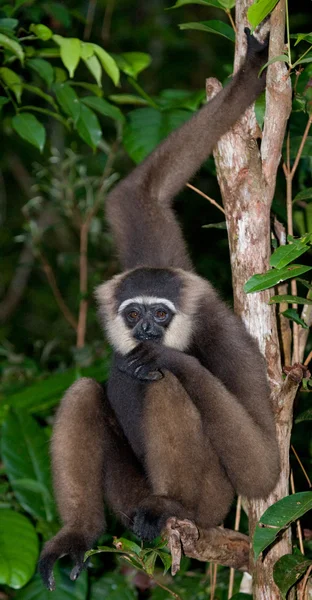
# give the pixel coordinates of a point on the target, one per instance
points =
(38, 352)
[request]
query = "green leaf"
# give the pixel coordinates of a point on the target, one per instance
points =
(132, 63)
(91, 87)
(18, 549)
(288, 570)
(59, 12)
(295, 144)
(307, 37)
(260, 110)
(292, 314)
(306, 283)
(68, 100)
(25, 455)
(88, 126)
(278, 517)
(33, 486)
(103, 108)
(169, 99)
(12, 81)
(36, 90)
(12, 46)
(215, 3)
(60, 75)
(41, 31)
(287, 254)
(304, 195)
(278, 58)
(259, 10)
(290, 299)
(108, 63)
(166, 559)
(218, 27)
(127, 546)
(263, 281)
(3, 101)
(128, 99)
(43, 69)
(65, 588)
(30, 129)
(304, 416)
(94, 66)
(112, 586)
(149, 562)
(8, 24)
(70, 52)
(147, 127)
(221, 225)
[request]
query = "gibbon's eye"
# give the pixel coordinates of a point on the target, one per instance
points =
(161, 314)
(133, 315)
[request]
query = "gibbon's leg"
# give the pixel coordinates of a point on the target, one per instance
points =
(180, 462)
(244, 441)
(91, 460)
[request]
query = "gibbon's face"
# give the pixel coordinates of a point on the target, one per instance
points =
(147, 318)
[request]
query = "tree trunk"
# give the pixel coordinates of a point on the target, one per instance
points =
(247, 177)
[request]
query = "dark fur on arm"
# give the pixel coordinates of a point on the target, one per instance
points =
(141, 202)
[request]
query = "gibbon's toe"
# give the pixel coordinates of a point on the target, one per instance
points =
(64, 543)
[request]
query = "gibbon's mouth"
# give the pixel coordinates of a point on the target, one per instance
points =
(145, 337)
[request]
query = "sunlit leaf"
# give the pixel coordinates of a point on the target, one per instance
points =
(103, 108)
(94, 66)
(263, 281)
(108, 63)
(12, 81)
(12, 46)
(30, 129)
(128, 99)
(18, 549)
(70, 52)
(41, 31)
(287, 254)
(132, 63)
(218, 27)
(42, 68)
(288, 570)
(279, 516)
(259, 10)
(88, 126)
(290, 299)
(292, 314)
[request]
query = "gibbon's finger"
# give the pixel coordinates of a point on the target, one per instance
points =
(45, 568)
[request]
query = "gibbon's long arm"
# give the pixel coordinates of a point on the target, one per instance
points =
(138, 209)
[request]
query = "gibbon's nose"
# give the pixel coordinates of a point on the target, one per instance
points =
(146, 326)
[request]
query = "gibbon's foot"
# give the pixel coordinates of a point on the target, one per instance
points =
(150, 518)
(254, 47)
(64, 543)
(143, 362)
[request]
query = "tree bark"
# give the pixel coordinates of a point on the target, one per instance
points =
(247, 177)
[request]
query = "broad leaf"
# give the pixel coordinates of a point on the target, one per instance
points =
(108, 63)
(259, 10)
(147, 127)
(3, 101)
(288, 570)
(41, 31)
(263, 281)
(12, 46)
(65, 588)
(103, 108)
(290, 299)
(43, 69)
(287, 254)
(278, 517)
(112, 586)
(18, 549)
(292, 314)
(88, 126)
(8, 25)
(218, 27)
(149, 562)
(30, 129)
(13, 81)
(68, 100)
(25, 455)
(132, 63)
(304, 195)
(94, 66)
(36, 90)
(70, 52)
(128, 99)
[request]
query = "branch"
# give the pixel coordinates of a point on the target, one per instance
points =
(56, 291)
(217, 545)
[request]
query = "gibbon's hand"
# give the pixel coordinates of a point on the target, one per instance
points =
(144, 362)
(64, 543)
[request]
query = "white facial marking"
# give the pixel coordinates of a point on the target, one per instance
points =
(149, 300)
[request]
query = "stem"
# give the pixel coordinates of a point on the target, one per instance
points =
(236, 528)
(142, 93)
(211, 200)
(90, 18)
(303, 141)
(304, 583)
(228, 12)
(165, 588)
(56, 292)
(300, 463)
(105, 33)
(301, 57)
(288, 35)
(298, 524)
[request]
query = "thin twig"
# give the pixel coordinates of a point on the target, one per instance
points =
(304, 583)
(236, 528)
(301, 465)
(56, 292)
(309, 357)
(298, 524)
(303, 141)
(105, 33)
(90, 18)
(211, 200)
(213, 569)
(228, 12)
